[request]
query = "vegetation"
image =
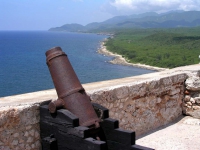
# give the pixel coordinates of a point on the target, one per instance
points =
(166, 48)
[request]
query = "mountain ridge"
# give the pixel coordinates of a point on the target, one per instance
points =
(170, 19)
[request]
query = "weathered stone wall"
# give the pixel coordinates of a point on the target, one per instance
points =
(146, 105)
(140, 103)
(191, 102)
(19, 128)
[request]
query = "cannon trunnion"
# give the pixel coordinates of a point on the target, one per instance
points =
(72, 122)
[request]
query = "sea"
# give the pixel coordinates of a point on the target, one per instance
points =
(23, 66)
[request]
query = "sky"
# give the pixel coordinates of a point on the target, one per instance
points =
(44, 14)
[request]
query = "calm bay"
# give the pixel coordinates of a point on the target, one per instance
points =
(23, 61)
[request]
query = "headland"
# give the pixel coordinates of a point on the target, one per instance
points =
(118, 59)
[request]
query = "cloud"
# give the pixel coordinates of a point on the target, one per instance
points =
(125, 7)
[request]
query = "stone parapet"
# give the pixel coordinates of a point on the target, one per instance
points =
(145, 105)
(140, 103)
(19, 127)
(191, 102)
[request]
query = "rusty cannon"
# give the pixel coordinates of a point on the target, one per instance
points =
(72, 122)
(71, 94)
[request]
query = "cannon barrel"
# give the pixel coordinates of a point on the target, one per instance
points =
(71, 94)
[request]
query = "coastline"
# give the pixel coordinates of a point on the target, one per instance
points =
(118, 59)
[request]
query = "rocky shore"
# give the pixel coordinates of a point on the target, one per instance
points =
(118, 59)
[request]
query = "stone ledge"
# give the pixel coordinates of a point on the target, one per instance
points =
(40, 96)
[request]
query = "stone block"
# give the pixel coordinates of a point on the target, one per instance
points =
(197, 100)
(193, 83)
(195, 114)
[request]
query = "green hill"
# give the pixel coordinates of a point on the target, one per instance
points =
(167, 48)
(69, 27)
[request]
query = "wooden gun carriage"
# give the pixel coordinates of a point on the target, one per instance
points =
(72, 122)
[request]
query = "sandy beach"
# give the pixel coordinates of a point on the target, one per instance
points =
(118, 59)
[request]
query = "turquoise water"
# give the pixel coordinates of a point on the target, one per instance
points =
(23, 60)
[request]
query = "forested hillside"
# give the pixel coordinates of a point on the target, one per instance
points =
(166, 48)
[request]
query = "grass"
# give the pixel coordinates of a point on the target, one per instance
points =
(167, 48)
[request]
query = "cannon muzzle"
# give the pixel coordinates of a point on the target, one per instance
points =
(71, 94)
